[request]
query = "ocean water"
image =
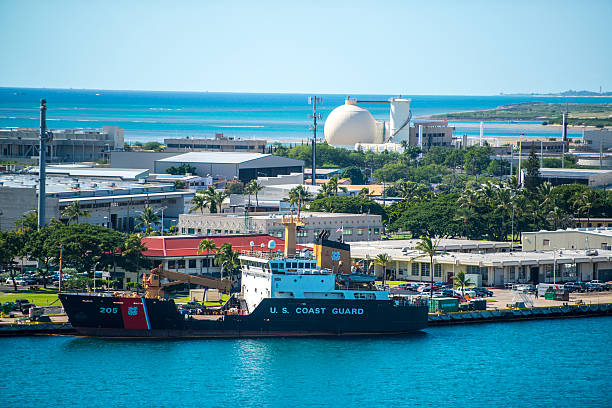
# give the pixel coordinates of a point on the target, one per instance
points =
(555, 363)
(152, 116)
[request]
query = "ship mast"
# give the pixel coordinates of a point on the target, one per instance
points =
(290, 222)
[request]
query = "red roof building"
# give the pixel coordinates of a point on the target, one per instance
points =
(180, 253)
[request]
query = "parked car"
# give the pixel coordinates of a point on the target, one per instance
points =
(483, 292)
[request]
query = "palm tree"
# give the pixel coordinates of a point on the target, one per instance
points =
(364, 193)
(382, 260)
(227, 258)
(333, 185)
(147, 218)
(198, 202)
(298, 195)
(207, 245)
(558, 218)
(465, 214)
(254, 187)
(133, 247)
(214, 199)
(460, 280)
(584, 202)
(73, 211)
(430, 248)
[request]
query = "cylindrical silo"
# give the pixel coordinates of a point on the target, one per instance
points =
(399, 119)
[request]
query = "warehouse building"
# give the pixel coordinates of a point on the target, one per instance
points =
(227, 165)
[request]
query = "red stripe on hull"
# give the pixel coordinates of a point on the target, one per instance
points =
(133, 314)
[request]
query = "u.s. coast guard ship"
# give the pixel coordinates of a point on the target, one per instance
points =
(286, 295)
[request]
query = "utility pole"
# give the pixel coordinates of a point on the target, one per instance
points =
(313, 100)
(42, 158)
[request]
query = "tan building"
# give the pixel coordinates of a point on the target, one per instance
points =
(219, 144)
(495, 269)
(581, 238)
(346, 227)
(433, 134)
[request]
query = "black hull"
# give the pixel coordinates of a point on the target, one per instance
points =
(130, 317)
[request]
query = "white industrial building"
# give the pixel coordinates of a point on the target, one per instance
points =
(589, 177)
(113, 202)
(70, 145)
(341, 227)
(219, 144)
(597, 139)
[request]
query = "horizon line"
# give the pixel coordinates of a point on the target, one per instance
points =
(301, 92)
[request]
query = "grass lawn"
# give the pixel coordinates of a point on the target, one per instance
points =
(38, 297)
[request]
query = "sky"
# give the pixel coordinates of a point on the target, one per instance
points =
(347, 47)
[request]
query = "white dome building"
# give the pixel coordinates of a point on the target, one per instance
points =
(349, 124)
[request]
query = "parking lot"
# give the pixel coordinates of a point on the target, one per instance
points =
(503, 297)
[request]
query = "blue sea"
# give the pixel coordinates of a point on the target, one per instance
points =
(153, 116)
(550, 363)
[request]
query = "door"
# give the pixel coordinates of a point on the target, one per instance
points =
(534, 274)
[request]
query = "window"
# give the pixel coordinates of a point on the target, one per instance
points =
(199, 230)
(546, 242)
(217, 231)
(171, 264)
(511, 273)
(302, 233)
(182, 230)
(437, 271)
(376, 230)
(347, 231)
(190, 231)
(181, 264)
(415, 269)
(208, 232)
(359, 231)
(548, 270)
(192, 263)
(424, 269)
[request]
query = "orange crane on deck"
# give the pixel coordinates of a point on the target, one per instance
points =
(154, 288)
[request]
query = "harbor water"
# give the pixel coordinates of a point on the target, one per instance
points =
(153, 116)
(556, 363)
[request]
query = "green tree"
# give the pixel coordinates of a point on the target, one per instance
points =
(73, 211)
(184, 168)
(147, 217)
(199, 202)
(430, 247)
(476, 159)
(234, 187)
(208, 246)
(227, 259)
(532, 177)
(254, 187)
(297, 196)
(179, 185)
(155, 146)
(10, 245)
(462, 281)
(383, 260)
(214, 199)
(354, 173)
(131, 251)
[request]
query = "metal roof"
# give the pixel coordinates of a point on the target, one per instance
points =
(105, 172)
(215, 157)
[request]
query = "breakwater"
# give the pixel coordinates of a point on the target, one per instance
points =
(531, 313)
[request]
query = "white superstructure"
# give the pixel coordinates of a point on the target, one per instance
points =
(293, 278)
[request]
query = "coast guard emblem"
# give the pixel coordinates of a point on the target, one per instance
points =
(133, 311)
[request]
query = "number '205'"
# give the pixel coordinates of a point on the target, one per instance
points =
(108, 310)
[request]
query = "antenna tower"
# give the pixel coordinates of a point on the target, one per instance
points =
(314, 100)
